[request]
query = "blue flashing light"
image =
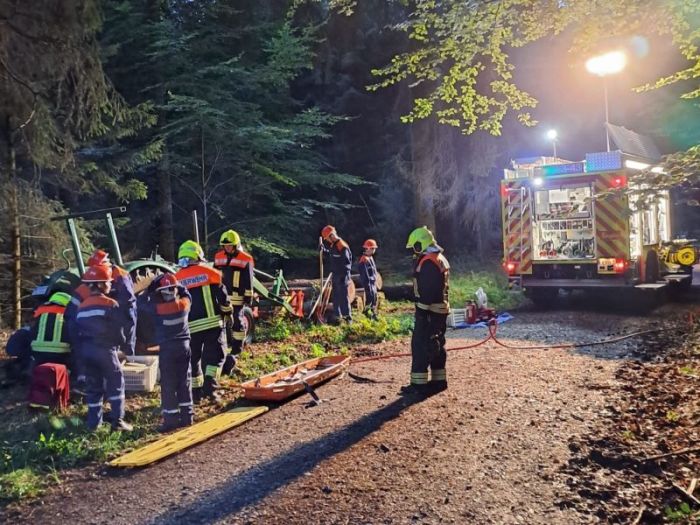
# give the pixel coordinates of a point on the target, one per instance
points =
(604, 161)
(563, 169)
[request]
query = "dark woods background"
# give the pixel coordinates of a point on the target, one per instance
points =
(255, 114)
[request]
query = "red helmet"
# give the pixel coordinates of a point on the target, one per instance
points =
(370, 243)
(165, 281)
(98, 257)
(326, 231)
(98, 274)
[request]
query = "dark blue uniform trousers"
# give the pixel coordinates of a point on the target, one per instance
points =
(176, 382)
(104, 379)
(341, 301)
(208, 354)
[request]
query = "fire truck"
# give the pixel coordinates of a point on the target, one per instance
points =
(572, 225)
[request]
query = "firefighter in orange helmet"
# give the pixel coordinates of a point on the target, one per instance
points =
(339, 260)
(101, 328)
(368, 277)
(236, 267)
(431, 273)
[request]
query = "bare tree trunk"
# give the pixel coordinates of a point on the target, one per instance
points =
(15, 235)
(422, 167)
(205, 201)
(165, 210)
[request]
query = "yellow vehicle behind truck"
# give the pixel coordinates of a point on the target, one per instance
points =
(571, 225)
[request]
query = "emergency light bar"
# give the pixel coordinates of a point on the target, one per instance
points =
(563, 169)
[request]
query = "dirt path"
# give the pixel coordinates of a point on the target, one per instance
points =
(490, 449)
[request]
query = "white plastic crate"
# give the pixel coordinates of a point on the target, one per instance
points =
(141, 379)
(456, 316)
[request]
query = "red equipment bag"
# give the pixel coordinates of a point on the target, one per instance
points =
(50, 387)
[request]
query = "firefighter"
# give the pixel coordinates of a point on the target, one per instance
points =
(123, 293)
(101, 328)
(339, 260)
(368, 277)
(210, 303)
(80, 293)
(49, 333)
(430, 286)
(236, 267)
(166, 306)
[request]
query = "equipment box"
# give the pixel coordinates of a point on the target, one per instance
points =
(140, 373)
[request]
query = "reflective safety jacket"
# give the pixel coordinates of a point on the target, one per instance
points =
(100, 323)
(209, 297)
(431, 276)
(49, 334)
(339, 258)
(368, 270)
(237, 270)
(167, 320)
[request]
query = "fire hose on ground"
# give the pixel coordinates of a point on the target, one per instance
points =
(493, 328)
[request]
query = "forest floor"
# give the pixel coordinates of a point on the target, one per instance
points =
(521, 436)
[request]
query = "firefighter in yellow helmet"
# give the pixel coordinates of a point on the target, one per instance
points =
(236, 267)
(210, 303)
(430, 288)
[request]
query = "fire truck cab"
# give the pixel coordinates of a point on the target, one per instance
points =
(571, 225)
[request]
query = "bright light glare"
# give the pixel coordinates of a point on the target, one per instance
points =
(658, 169)
(552, 134)
(607, 64)
(635, 165)
(538, 181)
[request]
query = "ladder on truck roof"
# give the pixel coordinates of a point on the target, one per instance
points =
(517, 234)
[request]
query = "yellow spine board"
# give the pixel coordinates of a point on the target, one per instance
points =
(187, 437)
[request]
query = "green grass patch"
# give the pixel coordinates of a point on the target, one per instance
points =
(21, 483)
(463, 286)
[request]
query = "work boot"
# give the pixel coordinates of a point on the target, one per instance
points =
(229, 365)
(414, 390)
(120, 425)
(168, 426)
(435, 387)
(186, 421)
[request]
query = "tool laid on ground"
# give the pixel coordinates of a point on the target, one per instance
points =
(187, 437)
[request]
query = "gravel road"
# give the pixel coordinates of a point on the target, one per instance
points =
(488, 450)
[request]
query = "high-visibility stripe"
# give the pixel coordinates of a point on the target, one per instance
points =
(438, 375)
(41, 333)
(236, 279)
(91, 313)
(175, 321)
(248, 293)
(438, 308)
(239, 336)
(419, 378)
(208, 302)
(212, 371)
(171, 411)
(51, 347)
(189, 404)
(200, 325)
(198, 381)
(95, 405)
(57, 328)
(236, 302)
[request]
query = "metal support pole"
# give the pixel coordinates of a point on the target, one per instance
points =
(554, 147)
(116, 252)
(76, 245)
(195, 226)
(607, 119)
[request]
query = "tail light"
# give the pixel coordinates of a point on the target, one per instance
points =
(620, 181)
(509, 267)
(620, 265)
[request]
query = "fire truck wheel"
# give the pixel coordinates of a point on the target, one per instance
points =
(248, 325)
(543, 298)
(651, 267)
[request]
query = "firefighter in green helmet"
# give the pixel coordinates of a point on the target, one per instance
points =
(430, 289)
